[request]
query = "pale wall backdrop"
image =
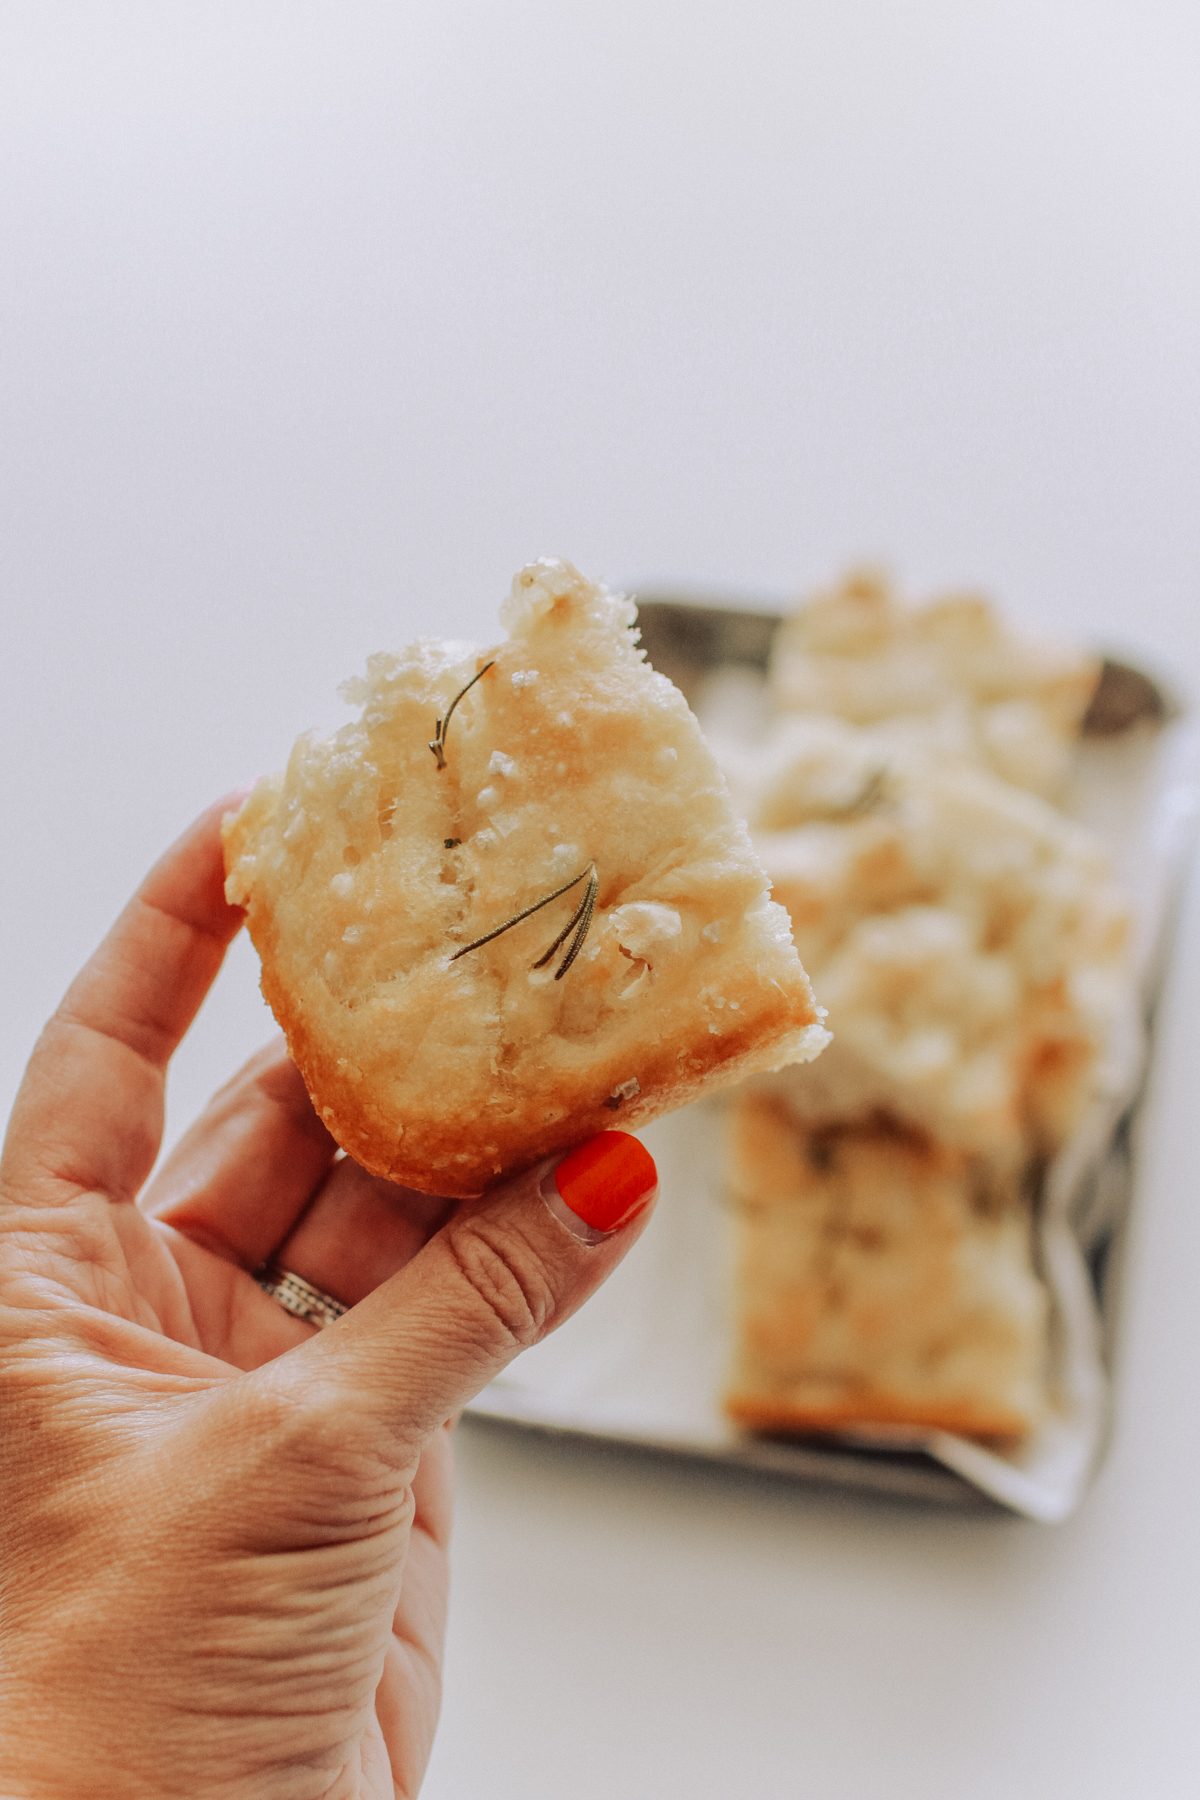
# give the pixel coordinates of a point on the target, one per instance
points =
(316, 321)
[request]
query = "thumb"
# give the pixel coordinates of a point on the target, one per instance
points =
(500, 1275)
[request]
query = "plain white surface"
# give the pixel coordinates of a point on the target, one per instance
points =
(315, 322)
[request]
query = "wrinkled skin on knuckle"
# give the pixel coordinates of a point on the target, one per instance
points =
(300, 1452)
(511, 1285)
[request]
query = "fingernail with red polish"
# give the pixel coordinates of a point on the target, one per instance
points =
(601, 1186)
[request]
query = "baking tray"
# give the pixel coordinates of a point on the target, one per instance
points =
(645, 1361)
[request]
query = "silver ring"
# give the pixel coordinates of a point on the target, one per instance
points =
(299, 1297)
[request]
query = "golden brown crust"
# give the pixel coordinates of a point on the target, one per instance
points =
(366, 1131)
(798, 1418)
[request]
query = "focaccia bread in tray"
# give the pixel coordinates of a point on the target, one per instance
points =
(511, 904)
(972, 948)
(882, 1280)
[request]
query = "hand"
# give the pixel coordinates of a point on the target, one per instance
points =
(222, 1534)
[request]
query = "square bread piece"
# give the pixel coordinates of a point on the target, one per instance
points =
(966, 937)
(882, 1280)
(953, 669)
(371, 876)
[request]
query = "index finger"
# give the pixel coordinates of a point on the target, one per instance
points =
(89, 1114)
(240, 1178)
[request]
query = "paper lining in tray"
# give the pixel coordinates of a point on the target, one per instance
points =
(645, 1361)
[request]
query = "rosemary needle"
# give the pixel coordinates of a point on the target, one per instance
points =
(581, 918)
(437, 743)
(583, 912)
(873, 791)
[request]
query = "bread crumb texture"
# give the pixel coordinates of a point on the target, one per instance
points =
(882, 1280)
(364, 868)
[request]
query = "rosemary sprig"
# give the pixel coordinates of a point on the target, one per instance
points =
(437, 743)
(580, 921)
(873, 791)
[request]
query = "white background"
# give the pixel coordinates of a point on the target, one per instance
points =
(316, 321)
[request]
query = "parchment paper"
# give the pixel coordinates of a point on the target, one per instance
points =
(645, 1361)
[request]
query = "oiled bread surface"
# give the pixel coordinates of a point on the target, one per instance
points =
(365, 867)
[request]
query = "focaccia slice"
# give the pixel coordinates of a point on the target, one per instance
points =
(883, 1280)
(1014, 703)
(443, 1046)
(972, 949)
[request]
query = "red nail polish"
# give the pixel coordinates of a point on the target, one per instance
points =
(608, 1181)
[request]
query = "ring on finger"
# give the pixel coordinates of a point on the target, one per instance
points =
(299, 1297)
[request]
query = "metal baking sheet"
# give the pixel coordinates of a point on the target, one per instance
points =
(644, 1363)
